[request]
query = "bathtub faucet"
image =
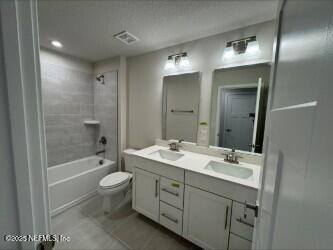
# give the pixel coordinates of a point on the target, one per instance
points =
(100, 152)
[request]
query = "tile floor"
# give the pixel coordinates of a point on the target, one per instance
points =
(89, 228)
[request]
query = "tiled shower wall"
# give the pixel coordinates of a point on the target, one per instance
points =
(105, 106)
(68, 98)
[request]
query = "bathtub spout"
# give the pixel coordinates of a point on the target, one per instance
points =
(100, 152)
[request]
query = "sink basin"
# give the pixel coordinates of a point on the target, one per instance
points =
(167, 155)
(228, 169)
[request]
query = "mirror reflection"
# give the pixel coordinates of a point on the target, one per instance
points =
(181, 95)
(238, 107)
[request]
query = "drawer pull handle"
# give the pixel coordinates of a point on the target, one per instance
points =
(170, 192)
(156, 184)
(226, 218)
(169, 218)
(240, 220)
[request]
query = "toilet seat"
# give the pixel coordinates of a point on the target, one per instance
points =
(114, 180)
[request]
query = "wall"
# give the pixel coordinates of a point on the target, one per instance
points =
(105, 110)
(111, 65)
(238, 76)
(71, 94)
(145, 77)
(68, 99)
(8, 205)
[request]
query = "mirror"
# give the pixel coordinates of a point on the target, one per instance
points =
(181, 97)
(238, 107)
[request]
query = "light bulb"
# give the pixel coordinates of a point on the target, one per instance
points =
(228, 53)
(184, 62)
(169, 64)
(252, 48)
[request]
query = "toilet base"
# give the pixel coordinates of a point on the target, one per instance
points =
(111, 201)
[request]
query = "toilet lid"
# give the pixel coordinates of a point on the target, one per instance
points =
(113, 180)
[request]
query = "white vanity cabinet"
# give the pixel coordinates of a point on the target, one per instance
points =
(146, 193)
(206, 219)
(206, 210)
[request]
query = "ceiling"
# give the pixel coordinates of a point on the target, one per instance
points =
(86, 28)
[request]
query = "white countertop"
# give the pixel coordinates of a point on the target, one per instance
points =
(197, 162)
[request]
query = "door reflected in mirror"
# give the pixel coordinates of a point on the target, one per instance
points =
(239, 100)
(181, 96)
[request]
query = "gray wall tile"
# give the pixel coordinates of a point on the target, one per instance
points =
(70, 97)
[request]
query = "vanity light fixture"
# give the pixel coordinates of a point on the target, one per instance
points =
(179, 59)
(56, 44)
(228, 52)
(252, 47)
(247, 45)
(184, 62)
(169, 63)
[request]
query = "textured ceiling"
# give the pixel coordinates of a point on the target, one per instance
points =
(86, 28)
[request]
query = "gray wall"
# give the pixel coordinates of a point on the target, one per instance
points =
(69, 89)
(8, 205)
(105, 107)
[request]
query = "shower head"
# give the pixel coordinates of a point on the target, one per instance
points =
(100, 78)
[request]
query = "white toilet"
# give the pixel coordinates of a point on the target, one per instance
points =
(116, 183)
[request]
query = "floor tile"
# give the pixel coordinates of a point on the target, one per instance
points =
(136, 231)
(163, 239)
(122, 229)
(91, 206)
(111, 221)
(89, 235)
(67, 220)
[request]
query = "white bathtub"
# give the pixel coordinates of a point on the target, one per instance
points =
(75, 181)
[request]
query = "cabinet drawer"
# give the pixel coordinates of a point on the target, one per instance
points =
(172, 192)
(238, 243)
(239, 224)
(171, 218)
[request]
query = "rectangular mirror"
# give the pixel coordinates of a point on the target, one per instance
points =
(238, 107)
(181, 97)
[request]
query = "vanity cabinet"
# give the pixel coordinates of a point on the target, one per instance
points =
(206, 218)
(172, 192)
(238, 243)
(146, 193)
(207, 211)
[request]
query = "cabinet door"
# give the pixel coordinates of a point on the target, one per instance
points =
(206, 218)
(146, 193)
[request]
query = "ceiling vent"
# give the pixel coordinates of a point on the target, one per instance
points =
(126, 37)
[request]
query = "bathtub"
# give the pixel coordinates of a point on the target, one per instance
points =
(75, 181)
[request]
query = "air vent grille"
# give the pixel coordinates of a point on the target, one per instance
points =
(126, 37)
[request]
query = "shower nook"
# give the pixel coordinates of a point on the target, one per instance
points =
(80, 113)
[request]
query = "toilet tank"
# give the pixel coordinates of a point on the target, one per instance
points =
(127, 159)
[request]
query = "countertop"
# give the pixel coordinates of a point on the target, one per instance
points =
(197, 162)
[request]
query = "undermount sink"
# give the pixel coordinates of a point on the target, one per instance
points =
(228, 169)
(167, 155)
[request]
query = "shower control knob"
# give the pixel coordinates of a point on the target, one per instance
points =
(103, 140)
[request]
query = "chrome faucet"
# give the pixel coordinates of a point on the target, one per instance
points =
(174, 146)
(231, 156)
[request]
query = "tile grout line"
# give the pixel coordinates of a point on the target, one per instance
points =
(110, 233)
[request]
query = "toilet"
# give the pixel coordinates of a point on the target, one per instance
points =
(116, 183)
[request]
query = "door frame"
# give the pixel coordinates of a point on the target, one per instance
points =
(218, 108)
(22, 69)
